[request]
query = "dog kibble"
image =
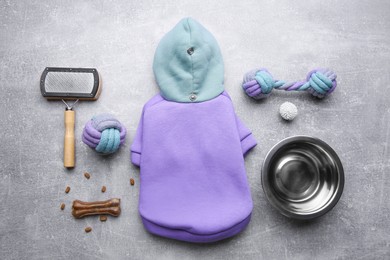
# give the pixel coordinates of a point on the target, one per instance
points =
(88, 229)
(132, 181)
(103, 218)
(62, 206)
(104, 189)
(67, 189)
(87, 175)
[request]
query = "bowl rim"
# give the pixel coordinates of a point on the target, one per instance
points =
(332, 201)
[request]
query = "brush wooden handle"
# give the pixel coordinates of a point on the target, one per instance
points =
(69, 141)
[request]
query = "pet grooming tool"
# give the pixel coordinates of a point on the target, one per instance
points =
(70, 84)
(302, 177)
(259, 83)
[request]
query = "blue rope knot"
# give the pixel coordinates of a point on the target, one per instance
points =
(265, 81)
(109, 141)
(322, 82)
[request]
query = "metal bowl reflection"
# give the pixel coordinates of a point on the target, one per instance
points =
(302, 177)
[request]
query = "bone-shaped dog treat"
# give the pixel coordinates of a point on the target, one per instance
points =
(81, 209)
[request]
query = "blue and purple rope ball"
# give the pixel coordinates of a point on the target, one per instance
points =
(104, 133)
(259, 83)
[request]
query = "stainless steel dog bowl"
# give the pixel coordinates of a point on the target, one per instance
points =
(302, 177)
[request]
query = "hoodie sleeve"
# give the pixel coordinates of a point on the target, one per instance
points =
(246, 137)
(136, 147)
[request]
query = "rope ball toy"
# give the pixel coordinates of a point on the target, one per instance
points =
(104, 133)
(259, 83)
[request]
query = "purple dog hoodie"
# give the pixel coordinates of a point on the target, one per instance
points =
(190, 145)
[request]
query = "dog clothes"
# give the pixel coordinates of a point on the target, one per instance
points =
(190, 145)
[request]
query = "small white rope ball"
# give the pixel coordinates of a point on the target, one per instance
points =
(288, 111)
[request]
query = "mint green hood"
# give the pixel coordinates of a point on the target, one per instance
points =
(188, 64)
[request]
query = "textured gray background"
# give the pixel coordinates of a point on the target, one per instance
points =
(119, 38)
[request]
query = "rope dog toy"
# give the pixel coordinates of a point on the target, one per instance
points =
(104, 134)
(259, 83)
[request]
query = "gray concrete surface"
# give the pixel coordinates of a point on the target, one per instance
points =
(119, 38)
